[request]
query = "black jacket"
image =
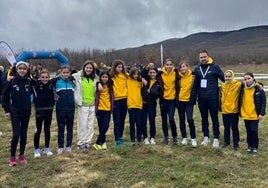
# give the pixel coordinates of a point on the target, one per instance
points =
(43, 95)
(16, 96)
(149, 99)
(211, 92)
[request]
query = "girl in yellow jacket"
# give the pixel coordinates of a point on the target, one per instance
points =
(134, 104)
(229, 92)
(167, 80)
(184, 106)
(251, 105)
(119, 76)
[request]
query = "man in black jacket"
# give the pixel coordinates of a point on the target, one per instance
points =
(206, 89)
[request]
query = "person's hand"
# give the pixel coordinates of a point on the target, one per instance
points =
(260, 117)
(150, 65)
(261, 87)
(100, 88)
(57, 97)
(7, 115)
(10, 78)
(144, 82)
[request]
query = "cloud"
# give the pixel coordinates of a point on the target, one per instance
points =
(105, 24)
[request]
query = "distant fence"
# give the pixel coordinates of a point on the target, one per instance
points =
(256, 76)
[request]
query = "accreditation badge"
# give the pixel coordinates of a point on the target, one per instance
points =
(203, 83)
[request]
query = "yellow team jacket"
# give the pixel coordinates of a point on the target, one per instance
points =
(229, 97)
(120, 86)
(104, 101)
(186, 84)
(169, 80)
(134, 98)
(248, 110)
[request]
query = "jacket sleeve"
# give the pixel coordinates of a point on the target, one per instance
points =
(263, 103)
(54, 80)
(6, 97)
(144, 73)
(194, 91)
(220, 95)
(220, 73)
(155, 91)
(161, 85)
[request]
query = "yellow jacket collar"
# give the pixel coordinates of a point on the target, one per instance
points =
(165, 71)
(210, 60)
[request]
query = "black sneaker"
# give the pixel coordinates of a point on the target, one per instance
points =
(81, 147)
(175, 141)
(133, 143)
(225, 145)
(236, 147)
(166, 140)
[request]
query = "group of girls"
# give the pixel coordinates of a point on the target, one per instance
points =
(137, 93)
(116, 92)
(246, 100)
(18, 94)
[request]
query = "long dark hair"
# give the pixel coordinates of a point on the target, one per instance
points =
(109, 82)
(249, 74)
(115, 64)
(93, 74)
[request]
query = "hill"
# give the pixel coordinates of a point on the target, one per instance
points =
(247, 45)
(242, 37)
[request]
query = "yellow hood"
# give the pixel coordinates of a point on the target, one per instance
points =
(188, 73)
(165, 71)
(232, 78)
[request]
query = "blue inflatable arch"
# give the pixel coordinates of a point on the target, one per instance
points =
(25, 55)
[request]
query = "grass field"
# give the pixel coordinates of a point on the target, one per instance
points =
(139, 166)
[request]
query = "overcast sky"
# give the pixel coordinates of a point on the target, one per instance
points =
(117, 24)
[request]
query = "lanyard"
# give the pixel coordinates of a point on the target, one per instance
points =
(205, 72)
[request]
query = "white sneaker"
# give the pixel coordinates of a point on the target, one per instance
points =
(146, 141)
(205, 141)
(60, 151)
(194, 143)
(184, 141)
(37, 153)
(48, 152)
(216, 143)
(68, 149)
(152, 141)
(1, 133)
